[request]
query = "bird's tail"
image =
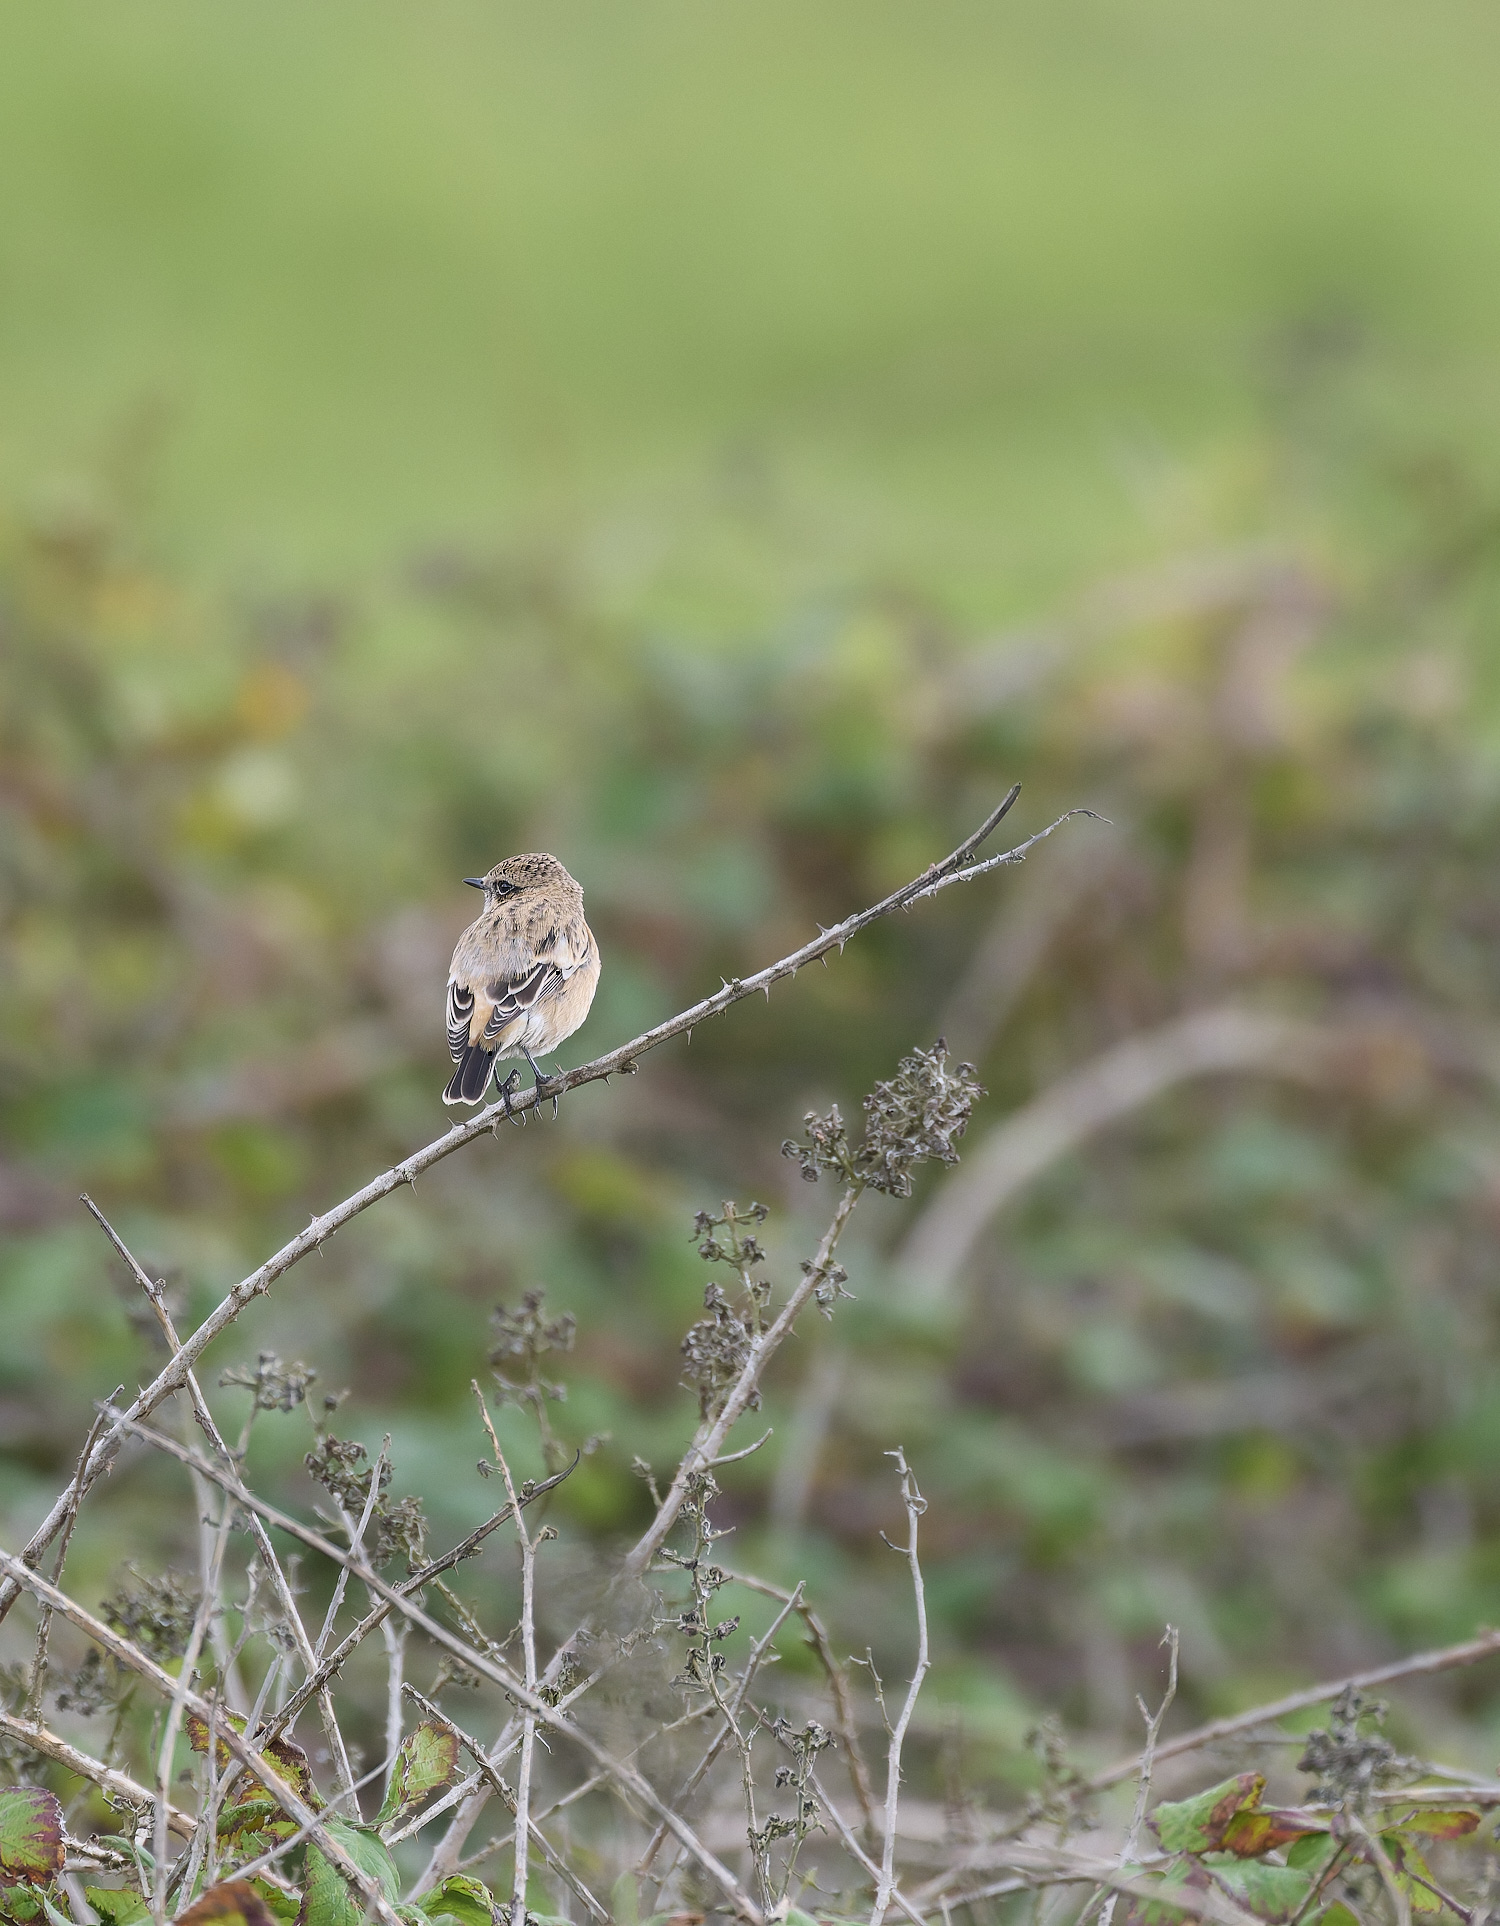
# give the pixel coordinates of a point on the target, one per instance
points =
(467, 1084)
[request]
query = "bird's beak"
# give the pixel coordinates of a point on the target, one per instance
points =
(475, 882)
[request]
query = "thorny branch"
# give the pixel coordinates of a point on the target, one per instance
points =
(956, 867)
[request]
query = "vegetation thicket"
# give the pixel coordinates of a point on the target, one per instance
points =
(729, 451)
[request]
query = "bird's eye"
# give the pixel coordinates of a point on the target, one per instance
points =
(503, 888)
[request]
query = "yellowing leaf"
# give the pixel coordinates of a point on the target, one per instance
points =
(1437, 1825)
(1411, 1872)
(289, 1759)
(235, 1902)
(1199, 1824)
(1249, 1834)
(31, 1841)
(427, 1761)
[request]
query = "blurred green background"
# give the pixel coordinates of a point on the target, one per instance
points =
(728, 447)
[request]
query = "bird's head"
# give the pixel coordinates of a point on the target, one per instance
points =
(518, 875)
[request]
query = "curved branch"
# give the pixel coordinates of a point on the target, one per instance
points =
(956, 867)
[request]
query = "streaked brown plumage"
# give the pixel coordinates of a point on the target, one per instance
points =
(523, 974)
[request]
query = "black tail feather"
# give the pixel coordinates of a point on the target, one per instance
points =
(467, 1084)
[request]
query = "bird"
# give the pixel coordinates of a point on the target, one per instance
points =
(522, 977)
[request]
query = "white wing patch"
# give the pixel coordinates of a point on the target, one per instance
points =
(460, 1010)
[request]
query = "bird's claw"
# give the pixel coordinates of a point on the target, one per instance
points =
(505, 1090)
(542, 1079)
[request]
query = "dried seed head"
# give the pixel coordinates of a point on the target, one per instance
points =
(277, 1386)
(915, 1116)
(154, 1613)
(714, 1352)
(1349, 1764)
(525, 1334)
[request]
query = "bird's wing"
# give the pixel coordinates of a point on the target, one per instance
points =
(515, 996)
(514, 984)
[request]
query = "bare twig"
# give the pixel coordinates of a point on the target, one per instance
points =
(1380, 1859)
(395, 1677)
(1049, 1867)
(1148, 1760)
(118, 1785)
(856, 1851)
(264, 1769)
(528, 1654)
(711, 1434)
(209, 1427)
(953, 868)
(355, 1533)
(38, 1682)
(625, 1778)
(466, 1548)
(207, 1604)
(716, 1745)
(549, 1852)
(915, 1505)
(1445, 1658)
(838, 1687)
(701, 1453)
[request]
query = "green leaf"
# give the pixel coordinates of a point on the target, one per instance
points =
(1312, 1853)
(326, 1896)
(368, 1853)
(1410, 1868)
(1270, 1892)
(326, 1899)
(1135, 1910)
(251, 1812)
(1198, 1825)
(464, 1899)
(1338, 1914)
(233, 1902)
(31, 1841)
(625, 1901)
(281, 1906)
(117, 1905)
(427, 1761)
(21, 1904)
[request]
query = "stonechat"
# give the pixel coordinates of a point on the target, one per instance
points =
(522, 977)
